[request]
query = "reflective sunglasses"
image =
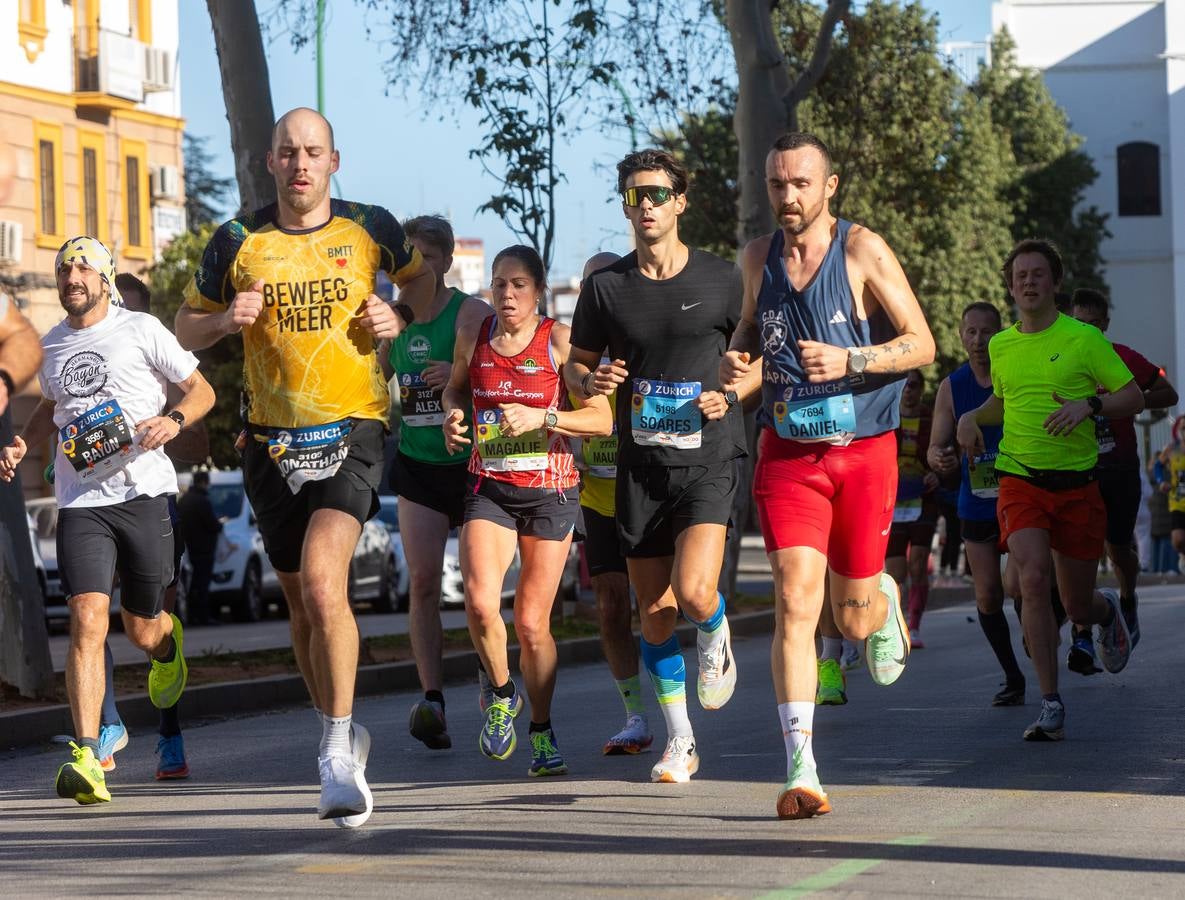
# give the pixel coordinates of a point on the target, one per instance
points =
(656, 194)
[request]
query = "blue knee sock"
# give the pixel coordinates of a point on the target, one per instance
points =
(712, 622)
(109, 715)
(664, 664)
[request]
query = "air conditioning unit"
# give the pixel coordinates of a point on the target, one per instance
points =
(158, 69)
(11, 235)
(165, 182)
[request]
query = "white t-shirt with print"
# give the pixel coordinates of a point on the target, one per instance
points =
(104, 380)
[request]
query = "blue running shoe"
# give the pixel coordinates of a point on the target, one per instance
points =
(498, 739)
(112, 739)
(546, 758)
(1081, 658)
(172, 765)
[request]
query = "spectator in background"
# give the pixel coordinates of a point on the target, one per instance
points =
(199, 529)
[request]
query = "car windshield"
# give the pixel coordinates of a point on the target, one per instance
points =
(227, 500)
(389, 516)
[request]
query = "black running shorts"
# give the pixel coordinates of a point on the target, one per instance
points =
(133, 538)
(655, 504)
(438, 487)
(544, 513)
(1120, 487)
(976, 531)
(601, 547)
(284, 516)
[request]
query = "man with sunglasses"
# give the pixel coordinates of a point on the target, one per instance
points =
(830, 313)
(663, 315)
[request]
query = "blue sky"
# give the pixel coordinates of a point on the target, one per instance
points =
(398, 155)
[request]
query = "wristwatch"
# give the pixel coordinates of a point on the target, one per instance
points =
(857, 361)
(1096, 404)
(176, 416)
(551, 419)
(405, 312)
(730, 397)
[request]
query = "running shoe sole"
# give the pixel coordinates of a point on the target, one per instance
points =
(361, 751)
(561, 769)
(628, 748)
(1014, 696)
(802, 803)
(173, 774)
(669, 776)
(426, 728)
(71, 784)
(1033, 733)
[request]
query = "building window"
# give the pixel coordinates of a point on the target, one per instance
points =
(92, 179)
(137, 241)
(1139, 179)
(31, 27)
(47, 178)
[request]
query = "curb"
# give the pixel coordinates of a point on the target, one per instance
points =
(275, 692)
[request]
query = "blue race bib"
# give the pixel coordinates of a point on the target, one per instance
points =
(98, 443)
(309, 454)
(664, 414)
(817, 412)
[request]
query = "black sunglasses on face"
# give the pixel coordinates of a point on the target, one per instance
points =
(656, 194)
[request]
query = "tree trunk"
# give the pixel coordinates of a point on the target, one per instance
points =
(24, 641)
(248, 97)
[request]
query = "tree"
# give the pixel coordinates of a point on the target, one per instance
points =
(247, 93)
(206, 195)
(222, 364)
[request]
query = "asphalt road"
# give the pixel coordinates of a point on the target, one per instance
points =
(934, 793)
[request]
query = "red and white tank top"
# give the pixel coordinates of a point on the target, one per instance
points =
(537, 459)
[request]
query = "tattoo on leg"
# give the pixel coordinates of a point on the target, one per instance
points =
(853, 603)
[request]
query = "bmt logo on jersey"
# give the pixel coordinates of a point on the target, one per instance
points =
(528, 367)
(83, 374)
(773, 330)
(341, 255)
(279, 444)
(419, 348)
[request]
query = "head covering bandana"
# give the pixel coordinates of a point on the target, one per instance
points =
(91, 252)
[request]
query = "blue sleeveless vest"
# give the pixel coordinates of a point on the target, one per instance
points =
(976, 501)
(855, 406)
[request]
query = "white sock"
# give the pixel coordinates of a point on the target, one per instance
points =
(710, 641)
(675, 714)
(335, 736)
(798, 720)
(832, 647)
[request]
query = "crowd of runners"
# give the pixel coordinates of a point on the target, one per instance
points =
(624, 430)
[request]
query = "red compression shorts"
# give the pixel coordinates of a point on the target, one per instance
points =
(838, 500)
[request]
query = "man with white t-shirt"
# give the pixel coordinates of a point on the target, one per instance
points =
(103, 380)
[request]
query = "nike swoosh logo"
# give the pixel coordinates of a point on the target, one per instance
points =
(686, 306)
(1054, 357)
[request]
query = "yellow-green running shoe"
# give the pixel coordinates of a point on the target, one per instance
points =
(166, 681)
(802, 796)
(832, 684)
(81, 779)
(546, 758)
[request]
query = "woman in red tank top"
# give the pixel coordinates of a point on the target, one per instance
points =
(523, 493)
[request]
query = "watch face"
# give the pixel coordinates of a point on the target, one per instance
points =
(730, 397)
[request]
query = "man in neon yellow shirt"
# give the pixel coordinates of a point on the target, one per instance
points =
(1046, 370)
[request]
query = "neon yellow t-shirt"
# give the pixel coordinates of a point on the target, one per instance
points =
(1176, 467)
(306, 360)
(1070, 358)
(597, 460)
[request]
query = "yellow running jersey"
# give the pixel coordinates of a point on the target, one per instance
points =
(1176, 470)
(306, 359)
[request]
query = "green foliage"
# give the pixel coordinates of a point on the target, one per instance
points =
(949, 176)
(206, 195)
(222, 364)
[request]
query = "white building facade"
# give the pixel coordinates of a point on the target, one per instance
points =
(1117, 67)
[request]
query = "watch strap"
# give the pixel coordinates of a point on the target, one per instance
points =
(177, 416)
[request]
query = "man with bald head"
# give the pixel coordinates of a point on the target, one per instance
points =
(296, 279)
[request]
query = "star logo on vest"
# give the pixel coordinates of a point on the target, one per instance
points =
(838, 318)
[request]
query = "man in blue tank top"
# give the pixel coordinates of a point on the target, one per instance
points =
(830, 312)
(963, 390)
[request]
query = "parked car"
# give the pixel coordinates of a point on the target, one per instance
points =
(452, 588)
(388, 517)
(244, 579)
(38, 562)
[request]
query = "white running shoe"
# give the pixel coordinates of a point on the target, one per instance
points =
(679, 762)
(634, 738)
(717, 668)
(345, 795)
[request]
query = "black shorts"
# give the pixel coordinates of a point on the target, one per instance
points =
(178, 544)
(1120, 487)
(655, 504)
(438, 487)
(601, 548)
(134, 538)
(542, 513)
(1177, 521)
(284, 516)
(920, 532)
(985, 531)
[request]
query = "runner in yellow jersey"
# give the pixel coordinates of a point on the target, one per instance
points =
(297, 279)
(1169, 474)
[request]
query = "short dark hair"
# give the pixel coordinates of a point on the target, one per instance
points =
(1095, 301)
(984, 307)
(529, 257)
(652, 160)
(201, 477)
(126, 284)
(1046, 248)
(795, 140)
(434, 230)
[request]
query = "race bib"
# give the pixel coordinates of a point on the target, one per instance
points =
(309, 454)
(909, 511)
(499, 453)
(984, 479)
(99, 442)
(1104, 435)
(596, 455)
(817, 412)
(421, 404)
(664, 414)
